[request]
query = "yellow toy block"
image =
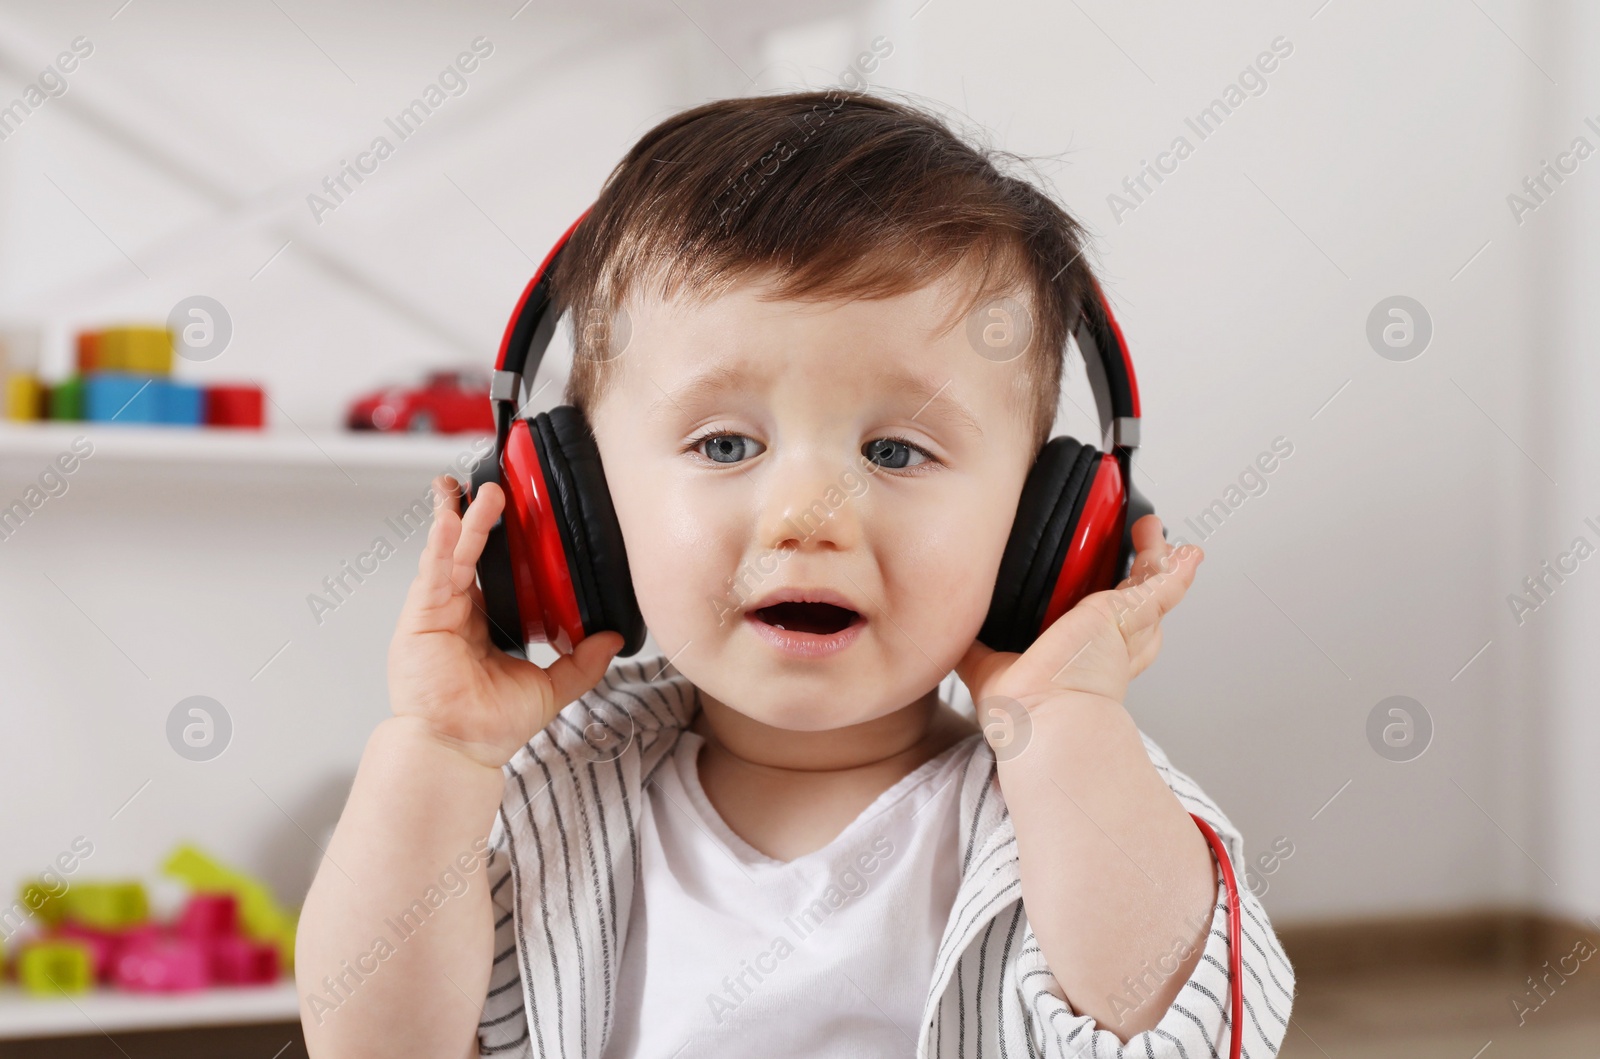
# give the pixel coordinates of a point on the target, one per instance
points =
(56, 966)
(261, 917)
(107, 905)
(24, 397)
(145, 350)
(43, 903)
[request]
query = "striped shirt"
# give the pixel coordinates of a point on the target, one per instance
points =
(564, 864)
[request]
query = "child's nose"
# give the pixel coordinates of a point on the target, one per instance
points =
(809, 503)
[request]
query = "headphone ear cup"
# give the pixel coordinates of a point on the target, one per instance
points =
(1046, 521)
(495, 577)
(590, 533)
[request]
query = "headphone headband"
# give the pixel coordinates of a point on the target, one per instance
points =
(1099, 336)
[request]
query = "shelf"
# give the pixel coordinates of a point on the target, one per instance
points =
(109, 1011)
(36, 444)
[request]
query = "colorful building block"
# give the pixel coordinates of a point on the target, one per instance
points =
(107, 905)
(140, 350)
(66, 399)
(111, 396)
(162, 965)
(262, 918)
(240, 961)
(209, 916)
(56, 965)
(45, 902)
(181, 403)
(88, 348)
(25, 397)
(234, 405)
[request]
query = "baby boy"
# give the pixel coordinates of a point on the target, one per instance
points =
(778, 838)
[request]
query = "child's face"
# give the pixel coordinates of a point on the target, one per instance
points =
(803, 497)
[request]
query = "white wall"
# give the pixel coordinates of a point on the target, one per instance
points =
(1376, 564)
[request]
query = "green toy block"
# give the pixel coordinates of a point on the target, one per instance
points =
(56, 966)
(43, 902)
(66, 399)
(260, 915)
(107, 905)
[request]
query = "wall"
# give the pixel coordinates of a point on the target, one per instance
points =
(1376, 563)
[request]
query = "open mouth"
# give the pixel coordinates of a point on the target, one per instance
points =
(823, 619)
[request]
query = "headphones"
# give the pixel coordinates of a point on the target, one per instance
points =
(554, 569)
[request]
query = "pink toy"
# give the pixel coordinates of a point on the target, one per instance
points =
(240, 961)
(106, 945)
(209, 916)
(163, 965)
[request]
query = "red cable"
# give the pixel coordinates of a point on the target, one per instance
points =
(1234, 956)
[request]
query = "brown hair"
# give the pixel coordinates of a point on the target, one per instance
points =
(833, 195)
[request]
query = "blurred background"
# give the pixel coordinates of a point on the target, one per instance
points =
(1365, 270)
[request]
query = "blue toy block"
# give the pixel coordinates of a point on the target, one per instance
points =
(124, 396)
(182, 403)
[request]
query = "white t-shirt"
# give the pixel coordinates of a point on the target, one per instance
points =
(827, 956)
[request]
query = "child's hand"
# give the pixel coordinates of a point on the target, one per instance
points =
(443, 669)
(1102, 643)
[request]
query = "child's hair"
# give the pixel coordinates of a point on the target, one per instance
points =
(828, 195)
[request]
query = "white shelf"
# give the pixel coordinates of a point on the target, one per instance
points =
(37, 443)
(110, 1011)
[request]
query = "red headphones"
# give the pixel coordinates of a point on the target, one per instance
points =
(554, 569)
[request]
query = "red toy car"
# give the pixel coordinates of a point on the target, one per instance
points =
(448, 402)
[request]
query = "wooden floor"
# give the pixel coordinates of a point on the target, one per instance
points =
(1444, 1013)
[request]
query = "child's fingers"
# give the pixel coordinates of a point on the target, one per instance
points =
(434, 586)
(1138, 606)
(573, 675)
(475, 526)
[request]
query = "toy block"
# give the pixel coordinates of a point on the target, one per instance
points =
(240, 961)
(141, 350)
(44, 902)
(88, 349)
(107, 905)
(234, 405)
(122, 398)
(181, 403)
(54, 966)
(66, 399)
(207, 916)
(24, 397)
(260, 915)
(162, 965)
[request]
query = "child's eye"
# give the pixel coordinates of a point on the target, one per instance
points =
(895, 453)
(727, 447)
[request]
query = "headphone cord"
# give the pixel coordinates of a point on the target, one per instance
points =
(1236, 998)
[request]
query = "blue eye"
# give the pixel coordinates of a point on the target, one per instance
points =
(727, 448)
(895, 452)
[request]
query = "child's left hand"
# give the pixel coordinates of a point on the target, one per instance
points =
(1098, 646)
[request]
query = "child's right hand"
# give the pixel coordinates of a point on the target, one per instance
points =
(444, 671)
